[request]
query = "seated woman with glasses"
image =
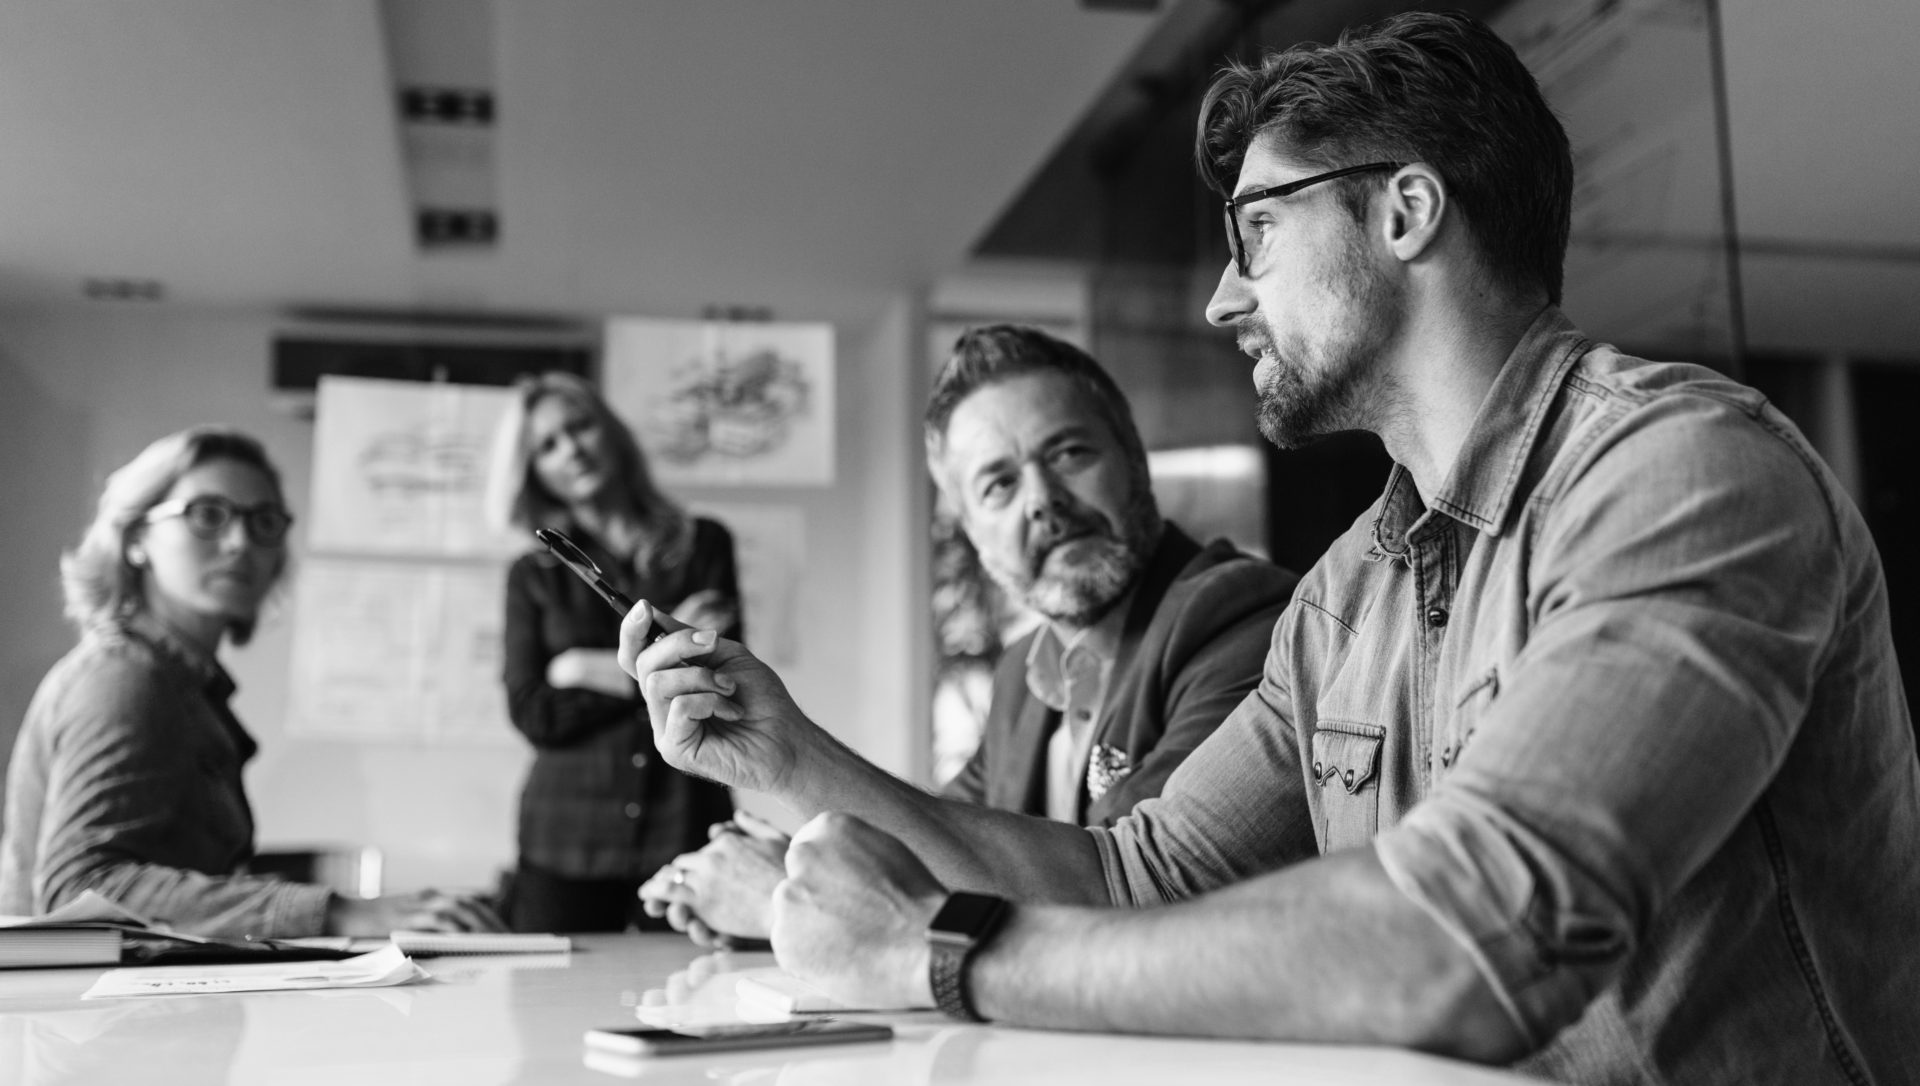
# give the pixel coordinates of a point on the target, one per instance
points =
(126, 773)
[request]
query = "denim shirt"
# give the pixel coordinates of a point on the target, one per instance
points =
(1618, 708)
(126, 780)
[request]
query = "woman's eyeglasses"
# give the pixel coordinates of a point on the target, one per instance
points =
(208, 515)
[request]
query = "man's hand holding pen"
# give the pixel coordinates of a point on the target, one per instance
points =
(717, 710)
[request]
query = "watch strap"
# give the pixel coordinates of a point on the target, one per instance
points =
(963, 925)
(947, 968)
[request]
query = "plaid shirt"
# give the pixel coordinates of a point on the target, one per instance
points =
(599, 802)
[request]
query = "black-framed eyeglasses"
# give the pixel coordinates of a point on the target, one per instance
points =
(208, 515)
(1238, 245)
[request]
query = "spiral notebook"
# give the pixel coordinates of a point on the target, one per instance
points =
(435, 944)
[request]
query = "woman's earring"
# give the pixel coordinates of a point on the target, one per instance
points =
(137, 557)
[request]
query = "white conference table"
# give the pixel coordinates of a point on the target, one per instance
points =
(519, 1019)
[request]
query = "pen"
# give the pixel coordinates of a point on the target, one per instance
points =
(588, 570)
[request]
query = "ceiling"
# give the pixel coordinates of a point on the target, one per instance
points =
(1818, 125)
(815, 158)
(662, 157)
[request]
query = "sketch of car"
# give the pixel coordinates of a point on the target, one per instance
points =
(729, 407)
(414, 463)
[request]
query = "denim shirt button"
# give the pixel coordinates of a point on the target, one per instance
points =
(1436, 617)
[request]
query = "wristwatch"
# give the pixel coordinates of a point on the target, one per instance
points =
(963, 925)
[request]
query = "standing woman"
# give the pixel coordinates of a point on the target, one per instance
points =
(600, 811)
(126, 773)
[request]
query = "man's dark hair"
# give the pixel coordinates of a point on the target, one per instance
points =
(1438, 88)
(999, 352)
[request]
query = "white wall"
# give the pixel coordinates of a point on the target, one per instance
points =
(84, 388)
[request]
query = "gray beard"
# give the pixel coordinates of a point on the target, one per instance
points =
(1084, 592)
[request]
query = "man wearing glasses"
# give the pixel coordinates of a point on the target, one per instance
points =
(1585, 749)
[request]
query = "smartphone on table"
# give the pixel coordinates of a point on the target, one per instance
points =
(734, 1037)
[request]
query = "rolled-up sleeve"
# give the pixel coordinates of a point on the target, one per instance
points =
(1236, 807)
(1682, 592)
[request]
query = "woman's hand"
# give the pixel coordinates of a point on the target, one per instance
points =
(589, 669)
(423, 910)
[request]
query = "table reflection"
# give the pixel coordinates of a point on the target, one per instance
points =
(111, 1041)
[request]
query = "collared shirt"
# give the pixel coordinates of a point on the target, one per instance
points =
(126, 780)
(1617, 706)
(1069, 671)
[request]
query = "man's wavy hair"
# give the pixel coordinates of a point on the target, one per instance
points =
(999, 352)
(516, 499)
(101, 587)
(1438, 88)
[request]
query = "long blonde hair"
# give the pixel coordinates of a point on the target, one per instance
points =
(516, 499)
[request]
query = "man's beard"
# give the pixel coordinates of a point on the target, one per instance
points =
(1317, 390)
(1082, 589)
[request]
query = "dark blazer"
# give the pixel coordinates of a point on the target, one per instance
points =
(594, 754)
(1193, 645)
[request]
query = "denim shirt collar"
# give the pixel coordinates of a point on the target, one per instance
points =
(1481, 488)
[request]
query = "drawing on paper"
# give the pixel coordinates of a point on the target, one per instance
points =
(716, 402)
(728, 407)
(405, 464)
(399, 467)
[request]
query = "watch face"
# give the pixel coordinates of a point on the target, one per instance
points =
(967, 915)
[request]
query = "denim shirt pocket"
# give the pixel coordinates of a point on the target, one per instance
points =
(1468, 708)
(1346, 769)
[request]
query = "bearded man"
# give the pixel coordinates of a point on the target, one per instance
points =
(1584, 749)
(1148, 638)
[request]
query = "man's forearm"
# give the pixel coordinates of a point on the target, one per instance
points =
(1323, 951)
(966, 846)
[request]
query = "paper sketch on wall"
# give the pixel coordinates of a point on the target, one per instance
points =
(726, 402)
(769, 546)
(401, 651)
(399, 467)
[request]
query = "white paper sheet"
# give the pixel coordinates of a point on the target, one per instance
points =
(399, 467)
(382, 968)
(726, 402)
(391, 650)
(770, 546)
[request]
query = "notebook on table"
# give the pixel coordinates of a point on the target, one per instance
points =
(94, 930)
(45, 946)
(433, 944)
